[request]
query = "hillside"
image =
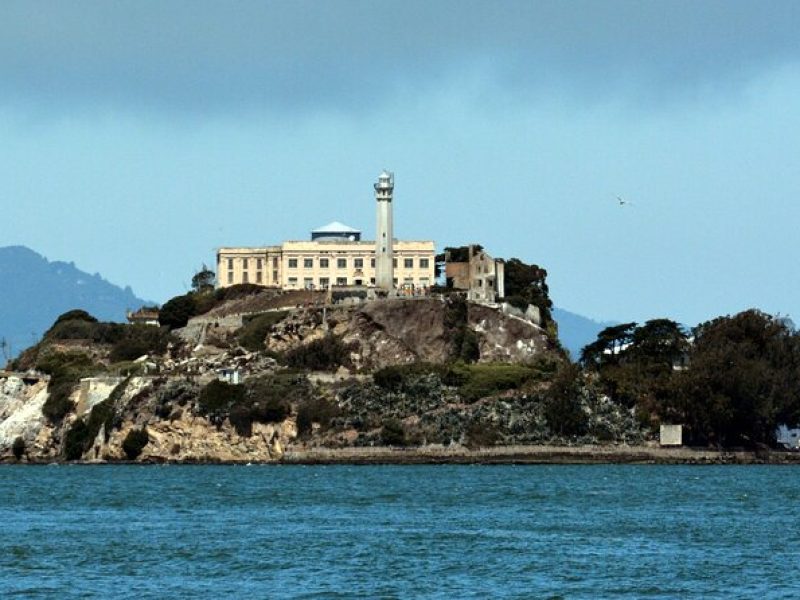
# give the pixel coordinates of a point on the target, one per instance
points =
(433, 372)
(36, 291)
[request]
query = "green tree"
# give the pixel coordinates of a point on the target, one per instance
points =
(742, 380)
(177, 311)
(562, 409)
(18, 448)
(610, 345)
(529, 282)
(659, 341)
(203, 280)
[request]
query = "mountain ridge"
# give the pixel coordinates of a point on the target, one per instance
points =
(37, 290)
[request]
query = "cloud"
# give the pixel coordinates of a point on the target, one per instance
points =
(213, 57)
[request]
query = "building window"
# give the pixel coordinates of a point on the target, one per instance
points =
(408, 263)
(341, 263)
(423, 263)
(308, 263)
(244, 264)
(372, 263)
(394, 281)
(230, 277)
(358, 263)
(323, 263)
(292, 280)
(292, 263)
(244, 277)
(275, 262)
(394, 263)
(274, 277)
(259, 278)
(230, 263)
(259, 264)
(341, 281)
(308, 283)
(324, 282)
(408, 281)
(424, 281)
(372, 280)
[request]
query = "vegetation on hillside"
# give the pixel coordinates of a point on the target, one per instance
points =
(731, 383)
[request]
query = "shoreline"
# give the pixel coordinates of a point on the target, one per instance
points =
(499, 455)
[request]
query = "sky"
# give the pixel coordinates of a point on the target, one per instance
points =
(136, 137)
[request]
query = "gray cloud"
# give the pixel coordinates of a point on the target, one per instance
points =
(210, 56)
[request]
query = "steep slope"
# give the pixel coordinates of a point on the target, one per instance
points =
(35, 291)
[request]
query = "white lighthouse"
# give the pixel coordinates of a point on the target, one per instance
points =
(384, 235)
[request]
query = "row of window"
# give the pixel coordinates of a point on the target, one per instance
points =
(325, 282)
(259, 277)
(358, 263)
(259, 263)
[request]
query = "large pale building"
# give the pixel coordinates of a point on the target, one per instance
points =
(335, 256)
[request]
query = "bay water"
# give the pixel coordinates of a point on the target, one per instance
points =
(599, 531)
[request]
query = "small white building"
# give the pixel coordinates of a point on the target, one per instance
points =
(671, 435)
(788, 438)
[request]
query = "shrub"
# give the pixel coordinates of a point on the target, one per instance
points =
(253, 333)
(484, 380)
(325, 354)
(470, 347)
(58, 403)
(61, 363)
(265, 399)
(65, 370)
(75, 443)
(481, 435)
(217, 397)
(270, 397)
(242, 420)
(18, 448)
(75, 315)
(562, 408)
(82, 434)
(392, 433)
(138, 340)
(134, 443)
(315, 410)
(177, 311)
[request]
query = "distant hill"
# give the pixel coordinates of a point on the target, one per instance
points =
(575, 331)
(35, 291)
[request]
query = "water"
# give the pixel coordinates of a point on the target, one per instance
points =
(399, 532)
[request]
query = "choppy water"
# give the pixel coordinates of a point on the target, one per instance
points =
(399, 532)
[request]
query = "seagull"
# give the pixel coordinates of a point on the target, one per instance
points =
(623, 202)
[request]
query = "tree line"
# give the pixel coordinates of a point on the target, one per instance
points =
(729, 381)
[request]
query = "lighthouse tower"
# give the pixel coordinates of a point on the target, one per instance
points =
(384, 235)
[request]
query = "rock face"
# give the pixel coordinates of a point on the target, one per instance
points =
(166, 405)
(182, 436)
(389, 332)
(21, 411)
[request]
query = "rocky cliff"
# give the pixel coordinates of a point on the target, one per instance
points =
(412, 372)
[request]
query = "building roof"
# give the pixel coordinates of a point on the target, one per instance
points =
(336, 227)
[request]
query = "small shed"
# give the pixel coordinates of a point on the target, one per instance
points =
(671, 435)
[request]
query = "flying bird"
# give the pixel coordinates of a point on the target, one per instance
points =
(623, 202)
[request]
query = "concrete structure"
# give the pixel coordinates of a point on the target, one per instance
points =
(321, 264)
(336, 256)
(671, 435)
(482, 276)
(144, 316)
(384, 235)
